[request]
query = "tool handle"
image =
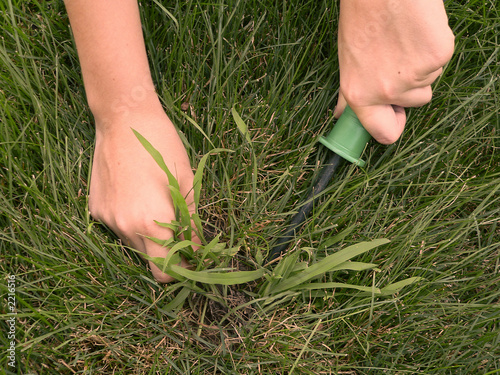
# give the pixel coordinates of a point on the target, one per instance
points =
(300, 217)
(348, 138)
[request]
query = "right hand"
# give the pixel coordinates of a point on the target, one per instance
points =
(390, 52)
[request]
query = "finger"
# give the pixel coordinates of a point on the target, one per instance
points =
(416, 97)
(341, 104)
(153, 250)
(384, 122)
(156, 250)
(146, 246)
(428, 67)
(428, 79)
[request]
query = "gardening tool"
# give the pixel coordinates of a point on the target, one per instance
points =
(347, 140)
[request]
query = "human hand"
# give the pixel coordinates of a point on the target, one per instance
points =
(128, 190)
(390, 52)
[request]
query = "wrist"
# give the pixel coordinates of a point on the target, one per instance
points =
(112, 112)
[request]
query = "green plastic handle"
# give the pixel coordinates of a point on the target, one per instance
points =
(348, 138)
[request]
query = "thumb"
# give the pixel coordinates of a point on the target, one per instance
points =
(384, 122)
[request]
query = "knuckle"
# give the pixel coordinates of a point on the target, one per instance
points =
(134, 220)
(444, 51)
(443, 56)
(146, 225)
(353, 95)
(130, 223)
(450, 42)
(387, 92)
(123, 225)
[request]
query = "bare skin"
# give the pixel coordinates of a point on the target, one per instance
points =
(390, 52)
(387, 64)
(128, 191)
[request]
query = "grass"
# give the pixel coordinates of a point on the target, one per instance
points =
(86, 305)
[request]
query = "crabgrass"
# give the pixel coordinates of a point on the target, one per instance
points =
(86, 305)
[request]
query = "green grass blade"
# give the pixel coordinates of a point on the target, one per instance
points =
(354, 266)
(397, 286)
(226, 278)
(179, 299)
(173, 226)
(198, 176)
(327, 264)
(158, 158)
(242, 127)
(332, 285)
(169, 14)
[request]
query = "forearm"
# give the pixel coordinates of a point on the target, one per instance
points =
(112, 55)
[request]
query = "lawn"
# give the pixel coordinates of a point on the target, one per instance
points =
(260, 80)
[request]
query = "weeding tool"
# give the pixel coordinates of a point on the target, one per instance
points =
(347, 140)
